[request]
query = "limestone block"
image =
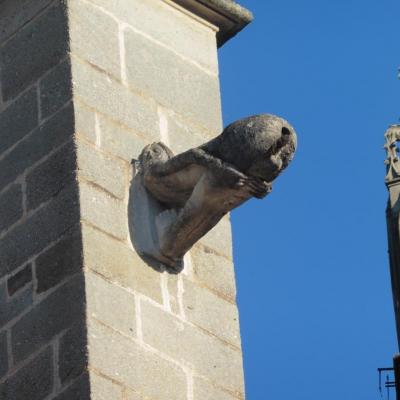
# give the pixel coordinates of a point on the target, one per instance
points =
(120, 141)
(72, 357)
(56, 131)
(110, 304)
(85, 123)
(39, 230)
(104, 389)
(109, 97)
(55, 89)
(213, 271)
(49, 318)
(34, 50)
(101, 169)
(171, 81)
(204, 390)
(34, 381)
(212, 313)
(181, 137)
(59, 261)
(51, 176)
(3, 354)
(10, 206)
(128, 363)
(15, 306)
(18, 119)
(78, 390)
(119, 264)
(130, 395)
(13, 18)
(103, 210)
(208, 355)
(220, 238)
(168, 25)
(94, 36)
(19, 280)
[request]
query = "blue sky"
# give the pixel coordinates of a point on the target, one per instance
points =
(311, 259)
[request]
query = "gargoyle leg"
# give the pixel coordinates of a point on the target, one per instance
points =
(204, 209)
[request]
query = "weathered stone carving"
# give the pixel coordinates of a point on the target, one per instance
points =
(392, 136)
(198, 187)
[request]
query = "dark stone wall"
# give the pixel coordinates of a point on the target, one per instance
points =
(42, 294)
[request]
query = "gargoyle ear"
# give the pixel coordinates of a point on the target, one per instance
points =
(144, 152)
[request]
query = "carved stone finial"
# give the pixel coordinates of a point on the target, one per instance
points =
(195, 189)
(392, 136)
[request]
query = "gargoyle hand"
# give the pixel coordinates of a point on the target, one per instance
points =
(229, 176)
(258, 187)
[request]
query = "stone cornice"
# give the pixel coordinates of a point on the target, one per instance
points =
(227, 15)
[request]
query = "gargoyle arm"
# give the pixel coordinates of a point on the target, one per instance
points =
(183, 160)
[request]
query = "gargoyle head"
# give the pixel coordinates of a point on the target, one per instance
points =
(260, 146)
(153, 153)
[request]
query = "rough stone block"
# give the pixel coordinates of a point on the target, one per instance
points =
(181, 137)
(103, 210)
(3, 354)
(19, 280)
(56, 89)
(79, 390)
(103, 299)
(51, 176)
(104, 389)
(220, 238)
(213, 271)
(172, 27)
(94, 36)
(15, 306)
(33, 51)
(151, 375)
(18, 119)
(220, 362)
(10, 206)
(103, 170)
(15, 15)
(119, 141)
(38, 231)
(72, 354)
(173, 82)
(85, 123)
(204, 390)
(109, 97)
(130, 395)
(51, 316)
(59, 261)
(32, 382)
(119, 264)
(212, 313)
(58, 130)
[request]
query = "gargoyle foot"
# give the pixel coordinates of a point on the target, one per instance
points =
(173, 266)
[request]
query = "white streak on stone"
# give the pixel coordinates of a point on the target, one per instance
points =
(181, 290)
(165, 292)
(188, 264)
(189, 380)
(97, 130)
(163, 123)
(138, 310)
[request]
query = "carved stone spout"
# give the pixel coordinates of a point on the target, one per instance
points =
(198, 187)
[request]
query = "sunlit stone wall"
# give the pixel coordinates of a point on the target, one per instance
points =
(85, 85)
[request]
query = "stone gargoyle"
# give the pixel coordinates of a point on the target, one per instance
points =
(195, 189)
